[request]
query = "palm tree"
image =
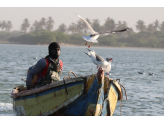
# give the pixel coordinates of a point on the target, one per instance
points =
(31, 29)
(62, 28)
(43, 22)
(9, 26)
(130, 31)
(125, 24)
(156, 24)
(49, 24)
(0, 24)
(121, 25)
(80, 26)
(37, 25)
(23, 28)
(96, 26)
(3, 25)
(89, 21)
(151, 28)
(140, 26)
(72, 28)
(161, 27)
(109, 25)
(25, 25)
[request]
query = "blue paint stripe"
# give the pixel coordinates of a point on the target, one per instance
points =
(105, 108)
(79, 106)
(49, 91)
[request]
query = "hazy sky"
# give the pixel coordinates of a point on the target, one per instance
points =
(66, 14)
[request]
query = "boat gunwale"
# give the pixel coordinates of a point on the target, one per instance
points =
(46, 87)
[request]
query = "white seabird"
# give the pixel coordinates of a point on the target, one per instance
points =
(142, 72)
(99, 61)
(94, 35)
(151, 74)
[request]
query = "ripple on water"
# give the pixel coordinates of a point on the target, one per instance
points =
(145, 93)
(6, 107)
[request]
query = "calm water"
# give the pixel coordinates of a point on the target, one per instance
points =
(145, 93)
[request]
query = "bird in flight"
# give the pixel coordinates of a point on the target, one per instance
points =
(94, 35)
(99, 61)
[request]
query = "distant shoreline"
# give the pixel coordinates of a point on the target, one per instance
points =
(71, 45)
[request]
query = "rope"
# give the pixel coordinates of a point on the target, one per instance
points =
(120, 107)
(121, 102)
(72, 73)
(125, 91)
(66, 77)
(122, 94)
(65, 84)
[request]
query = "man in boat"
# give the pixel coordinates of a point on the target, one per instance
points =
(47, 69)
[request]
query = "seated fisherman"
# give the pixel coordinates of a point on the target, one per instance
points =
(47, 69)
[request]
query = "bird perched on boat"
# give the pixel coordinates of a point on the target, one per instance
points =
(151, 74)
(99, 61)
(142, 72)
(94, 35)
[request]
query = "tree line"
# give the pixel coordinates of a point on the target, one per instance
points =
(41, 32)
(80, 27)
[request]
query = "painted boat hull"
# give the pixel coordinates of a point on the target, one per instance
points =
(87, 96)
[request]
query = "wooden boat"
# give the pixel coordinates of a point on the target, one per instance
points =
(92, 95)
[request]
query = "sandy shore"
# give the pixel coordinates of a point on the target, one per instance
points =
(4, 42)
(70, 45)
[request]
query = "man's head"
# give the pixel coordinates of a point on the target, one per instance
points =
(54, 50)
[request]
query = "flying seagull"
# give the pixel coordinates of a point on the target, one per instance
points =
(94, 35)
(99, 61)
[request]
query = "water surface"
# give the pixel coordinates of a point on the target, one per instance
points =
(145, 93)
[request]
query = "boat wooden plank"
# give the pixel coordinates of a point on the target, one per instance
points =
(36, 90)
(46, 103)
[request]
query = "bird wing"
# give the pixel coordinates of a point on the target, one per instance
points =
(122, 30)
(90, 39)
(88, 49)
(88, 25)
(99, 58)
(86, 53)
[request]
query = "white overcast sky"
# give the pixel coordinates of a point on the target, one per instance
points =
(63, 11)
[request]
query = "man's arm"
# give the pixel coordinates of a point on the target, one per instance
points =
(39, 66)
